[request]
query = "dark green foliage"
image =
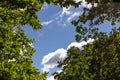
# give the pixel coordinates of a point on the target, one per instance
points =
(98, 61)
(105, 10)
(20, 12)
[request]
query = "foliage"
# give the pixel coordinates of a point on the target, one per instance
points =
(20, 12)
(105, 10)
(15, 47)
(98, 61)
(16, 55)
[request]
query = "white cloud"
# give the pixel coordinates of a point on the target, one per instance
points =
(47, 67)
(77, 1)
(50, 78)
(50, 60)
(90, 41)
(81, 44)
(86, 5)
(72, 12)
(47, 22)
(65, 11)
(60, 18)
(65, 15)
(72, 16)
(45, 6)
(76, 44)
(59, 71)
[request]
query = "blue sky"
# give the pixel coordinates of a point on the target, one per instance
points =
(56, 35)
(57, 32)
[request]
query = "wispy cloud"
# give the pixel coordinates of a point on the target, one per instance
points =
(45, 6)
(50, 60)
(76, 14)
(50, 78)
(65, 11)
(47, 22)
(65, 15)
(61, 16)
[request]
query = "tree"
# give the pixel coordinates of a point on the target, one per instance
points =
(98, 61)
(105, 10)
(15, 47)
(16, 55)
(96, 15)
(20, 12)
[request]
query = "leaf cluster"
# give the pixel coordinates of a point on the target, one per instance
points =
(96, 15)
(98, 61)
(16, 55)
(20, 12)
